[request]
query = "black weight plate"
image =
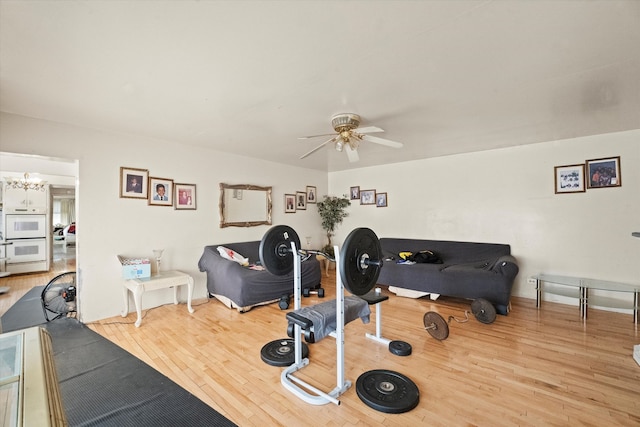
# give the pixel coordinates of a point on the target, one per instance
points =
(360, 261)
(484, 311)
(400, 348)
(275, 249)
(435, 325)
(387, 391)
(281, 352)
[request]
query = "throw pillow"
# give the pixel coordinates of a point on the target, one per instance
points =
(233, 256)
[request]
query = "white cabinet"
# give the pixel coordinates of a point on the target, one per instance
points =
(29, 200)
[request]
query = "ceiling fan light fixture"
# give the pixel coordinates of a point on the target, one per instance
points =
(345, 121)
(349, 136)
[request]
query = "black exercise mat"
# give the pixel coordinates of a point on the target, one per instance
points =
(103, 385)
(25, 313)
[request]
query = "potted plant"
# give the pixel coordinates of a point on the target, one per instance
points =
(332, 210)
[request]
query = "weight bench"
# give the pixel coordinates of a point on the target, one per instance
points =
(357, 271)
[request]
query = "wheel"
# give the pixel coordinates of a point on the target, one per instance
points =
(321, 292)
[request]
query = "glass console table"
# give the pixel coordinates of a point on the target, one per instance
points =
(579, 287)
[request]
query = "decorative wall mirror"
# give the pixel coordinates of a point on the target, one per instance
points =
(244, 205)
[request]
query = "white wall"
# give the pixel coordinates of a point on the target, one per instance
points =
(109, 225)
(503, 196)
(507, 196)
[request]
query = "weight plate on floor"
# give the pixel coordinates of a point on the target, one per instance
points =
(281, 352)
(484, 311)
(400, 348)
(435, 325)
(360, 261)
(275, 249)
(387, 391)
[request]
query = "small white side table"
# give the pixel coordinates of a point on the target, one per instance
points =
(166, 279)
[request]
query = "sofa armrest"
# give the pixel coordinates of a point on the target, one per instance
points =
(212, 262)
(506, 265)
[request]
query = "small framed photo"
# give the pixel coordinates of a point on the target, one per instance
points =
(289, 203)
(312, 195)
(602, 173)
(133, 183)
(161, 191)
(355, 193)
(381, 200)
(185, 196)
(368, 197)
(301, 200)
(569, 179)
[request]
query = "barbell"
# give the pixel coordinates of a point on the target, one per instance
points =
(360, 257)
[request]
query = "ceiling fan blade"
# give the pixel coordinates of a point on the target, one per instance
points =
(382, 141)
(315, 136)
(369, 129)
(320, 146)
(352, 154)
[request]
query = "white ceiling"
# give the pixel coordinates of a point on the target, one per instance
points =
(249, 77)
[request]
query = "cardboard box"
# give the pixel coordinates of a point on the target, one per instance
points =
(134, 267)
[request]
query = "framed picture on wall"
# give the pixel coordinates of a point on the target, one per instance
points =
(185, 196)
(355, 193)
(133, 183)
(381, 200)
(301, 200)
(289, 203)
(569, 179)
(312, 194)
(604, 173)
(161, 191)
(368, 197)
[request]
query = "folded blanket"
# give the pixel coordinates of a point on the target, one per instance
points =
(323, 315)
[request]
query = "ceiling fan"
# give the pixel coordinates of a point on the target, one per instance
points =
(349, 136)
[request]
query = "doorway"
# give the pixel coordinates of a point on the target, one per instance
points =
(62, 175)
(63, 219)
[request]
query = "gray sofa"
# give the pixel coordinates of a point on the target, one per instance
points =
(243, 288)
(468, 270)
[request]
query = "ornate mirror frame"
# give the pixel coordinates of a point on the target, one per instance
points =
(254, 212)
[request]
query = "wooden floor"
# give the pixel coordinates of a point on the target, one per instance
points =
(532, 367)
(20, 284)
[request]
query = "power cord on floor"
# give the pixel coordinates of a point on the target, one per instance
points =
(144, 314)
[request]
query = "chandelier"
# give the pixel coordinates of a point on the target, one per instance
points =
(26, 183)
